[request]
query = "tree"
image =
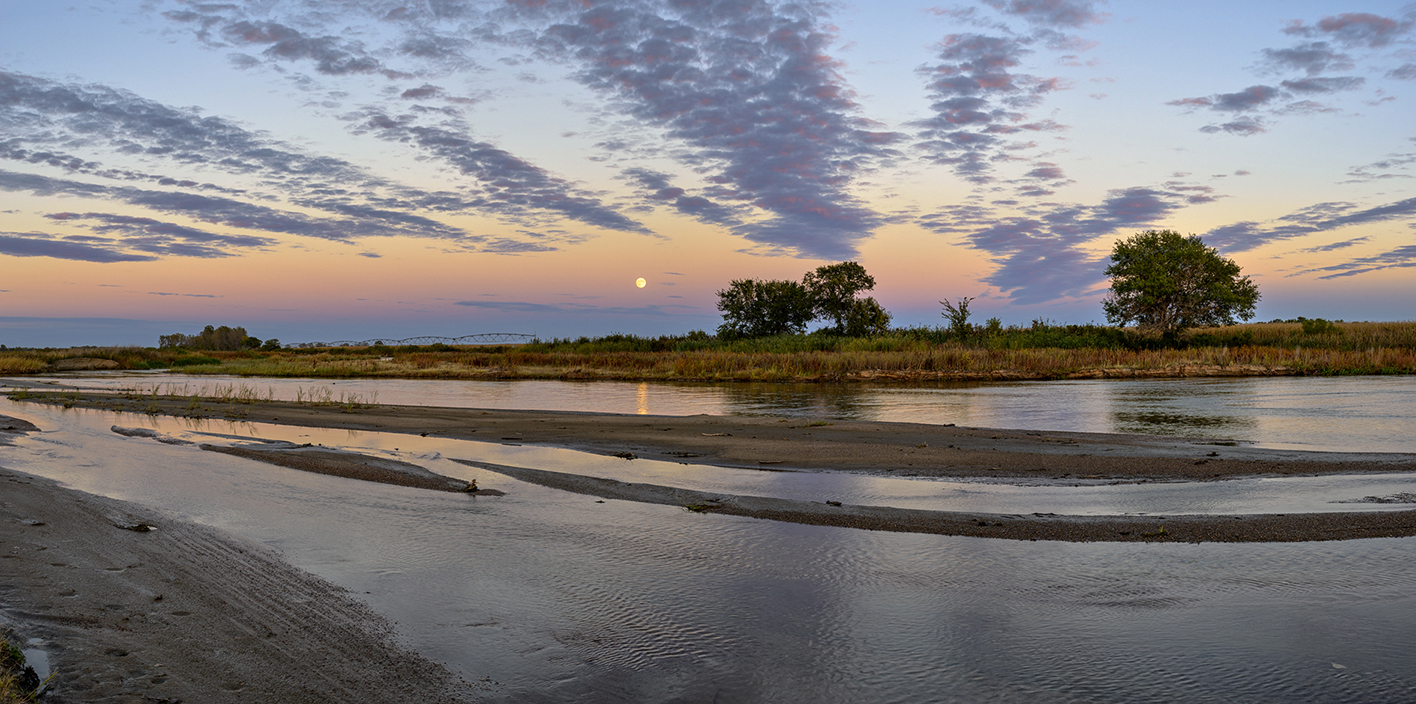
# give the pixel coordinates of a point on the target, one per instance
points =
(754, 308)
(959, 316)
(1165, 283)
(833, 289)
(867, 318)
(210, 338)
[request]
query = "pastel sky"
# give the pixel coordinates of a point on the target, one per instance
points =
(321, 169)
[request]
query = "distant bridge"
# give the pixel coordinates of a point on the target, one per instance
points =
(478, 339)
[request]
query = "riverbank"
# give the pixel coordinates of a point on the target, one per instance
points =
(1041, 352)
(131, 604)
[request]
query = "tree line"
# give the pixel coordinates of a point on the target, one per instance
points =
(753, 308)
(1161, 281)
(214, 338)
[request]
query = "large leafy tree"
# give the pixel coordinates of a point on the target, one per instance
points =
(867, 318)
(834, 288)
(1165, 282)
(754, 308)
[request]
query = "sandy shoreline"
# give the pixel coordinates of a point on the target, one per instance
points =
(187, 612)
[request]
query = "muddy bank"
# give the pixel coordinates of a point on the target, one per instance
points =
(187, 612)
(1037, 526)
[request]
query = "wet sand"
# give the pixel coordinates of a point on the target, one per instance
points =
(133, 605)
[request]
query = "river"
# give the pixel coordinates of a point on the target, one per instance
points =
(559, 597)
(1350, 414)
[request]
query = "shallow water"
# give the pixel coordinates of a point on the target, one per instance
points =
(559, 597)
(1352, 414)
(1341, 493)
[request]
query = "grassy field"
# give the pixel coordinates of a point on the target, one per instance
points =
(1040, 351)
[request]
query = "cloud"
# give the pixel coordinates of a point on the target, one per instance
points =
(1354, 29)
(750, 87)
(35, 244)
(1383, 169)
(577, 308)
(978, 101)
(225, 211)
(185, 295)
(149, 229)
(1247, 99)
(1314, 219)
(1312, 58)
(1042, 256)
(657, 187)
(331, 55)
(1403, 257)
(1324, 85)
(512, 185)
(512, 306)
(1404, 72)
(126, 123)
(1244, 126)
(1051, 13)
(1335, 246)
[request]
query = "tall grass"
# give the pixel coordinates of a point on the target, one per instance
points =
(1041, 350)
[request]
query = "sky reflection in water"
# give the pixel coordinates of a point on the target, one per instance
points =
(1355, 414)
(557, 597)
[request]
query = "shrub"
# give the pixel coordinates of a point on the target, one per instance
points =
(195, 360)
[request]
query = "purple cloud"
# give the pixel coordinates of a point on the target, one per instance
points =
(331, 55)
(1315, 219)
(138, 234)
(977, 101)
(35, 244)
(1403, 257)
(512, 185)
(1051, 13)
(751, 88)
(1324, 85)
(1042, 256)
(1383, 169)
(1244, 126)
(577, 308)
(1354, 29)
(657, 187)
(127, 123)
(1312, 58)
(1335, 246)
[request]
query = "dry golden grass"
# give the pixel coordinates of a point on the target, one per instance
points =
(1039, 352)
(21, 364)
(935, 361)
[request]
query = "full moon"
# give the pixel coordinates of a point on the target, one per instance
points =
(640, 283)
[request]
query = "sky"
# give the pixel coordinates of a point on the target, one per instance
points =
(319, 170)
